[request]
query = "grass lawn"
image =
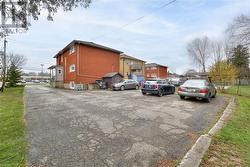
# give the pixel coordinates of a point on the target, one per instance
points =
(231, 146)
(243, 90)
(12, 128)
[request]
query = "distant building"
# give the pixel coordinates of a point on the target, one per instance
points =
(191, 75)
(132, 68)
(153, 70)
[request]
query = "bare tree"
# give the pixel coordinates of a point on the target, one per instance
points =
(16, 59)
(239, 30)
(217, 51)
(198, 51)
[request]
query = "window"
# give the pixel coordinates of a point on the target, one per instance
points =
(148, 68)
(147, 75)
(71, 49)
(153, 75)
(72, 68)
(59, 71)
(153, 68)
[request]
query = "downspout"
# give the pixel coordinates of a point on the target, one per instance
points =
(158, 75)
(123, 68)
(78, 60)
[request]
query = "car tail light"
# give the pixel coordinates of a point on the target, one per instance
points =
(142, 84)
(180, 89)
(203, 91)
(155, 86)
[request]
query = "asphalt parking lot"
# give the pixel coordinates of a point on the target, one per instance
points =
(112, 128)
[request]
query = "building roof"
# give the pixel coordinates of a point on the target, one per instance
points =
(92, 44)
(110, 75)
(53, 67)
(153, 65)
(129, 57)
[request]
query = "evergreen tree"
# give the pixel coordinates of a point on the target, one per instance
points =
(13, 75)
(240, 59)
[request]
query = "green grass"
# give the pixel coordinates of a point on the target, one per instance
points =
(12, 128)
(232, 142)
(243, 90)
(237, 130)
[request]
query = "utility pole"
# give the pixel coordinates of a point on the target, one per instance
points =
(42, 69)
(4, 66)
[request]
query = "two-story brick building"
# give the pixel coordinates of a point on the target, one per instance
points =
(82, 62)
(153, 70)
(132, 68)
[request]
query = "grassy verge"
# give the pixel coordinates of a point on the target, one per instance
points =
(243, 90)
(231, 146)
(12, 128)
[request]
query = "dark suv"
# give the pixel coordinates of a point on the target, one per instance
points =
(157, 86)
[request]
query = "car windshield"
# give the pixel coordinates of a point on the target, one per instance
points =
(154, 81)
(151, 82)
(194, 83)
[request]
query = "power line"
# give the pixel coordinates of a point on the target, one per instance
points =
(137, 19)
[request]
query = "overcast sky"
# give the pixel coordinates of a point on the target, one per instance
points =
(160, 36)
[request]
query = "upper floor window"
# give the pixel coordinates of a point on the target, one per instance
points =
(153, 75)
(153, 68)
(71, 49)
(72, 68)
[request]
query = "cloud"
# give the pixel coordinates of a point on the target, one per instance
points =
(160, 36)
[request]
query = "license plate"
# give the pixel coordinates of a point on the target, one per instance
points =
(191, 90)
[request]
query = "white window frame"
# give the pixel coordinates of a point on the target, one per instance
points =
(72, 68)
(153, 68)
(72, 49)
(153, 75)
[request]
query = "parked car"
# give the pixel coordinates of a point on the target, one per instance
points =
(126, 84)
(175, 81)
(199, 88)
(36, 81)
(157, 86)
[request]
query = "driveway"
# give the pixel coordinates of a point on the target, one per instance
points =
(111, 128)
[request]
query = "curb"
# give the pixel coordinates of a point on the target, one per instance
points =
(194, 156)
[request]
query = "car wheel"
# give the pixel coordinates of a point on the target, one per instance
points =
(144, 93)
(173, 91)
(182, 97)
(160, 94)
(136, 87)
(214, 94)
(122, 88)
(207, 100)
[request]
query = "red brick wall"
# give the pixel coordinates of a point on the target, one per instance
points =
(66, 60)
(93, 63)
(159, 72)
(162, 72)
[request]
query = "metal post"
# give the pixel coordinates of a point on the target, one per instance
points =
(4, 66)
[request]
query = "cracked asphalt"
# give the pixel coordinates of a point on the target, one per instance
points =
(111, 128)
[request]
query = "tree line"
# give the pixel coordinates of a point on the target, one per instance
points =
(227, 59)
